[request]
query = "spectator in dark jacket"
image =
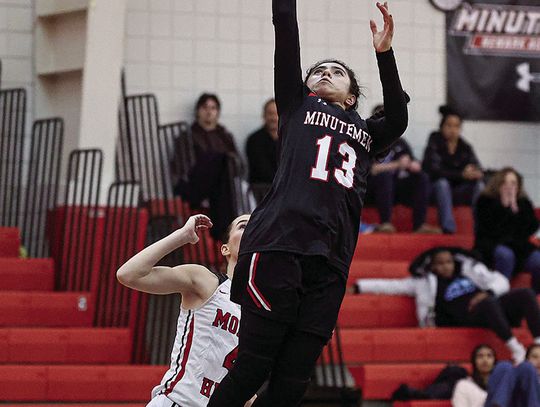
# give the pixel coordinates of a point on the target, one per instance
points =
(505, 220)
(453, 168)
(217, 162)
(262, 152)
(399, 178)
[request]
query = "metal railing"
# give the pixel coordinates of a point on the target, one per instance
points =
(12, 126)
(123, 236)
(41, 193)
(157, 315)
(79, 217)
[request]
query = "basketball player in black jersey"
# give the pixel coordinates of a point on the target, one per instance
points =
(296, 250)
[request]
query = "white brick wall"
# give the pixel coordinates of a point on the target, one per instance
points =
(16, 51)
(16, 43)
(181, 48)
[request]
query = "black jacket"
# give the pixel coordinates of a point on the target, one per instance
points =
(438, 163)
(497, 225)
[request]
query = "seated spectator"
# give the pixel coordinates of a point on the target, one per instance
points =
(453, 168)
(440, 389)
(262, 152)
(452, 289)
(472, 391)
(215, 154)
(399, 179)
(511, 386)
(505, 221)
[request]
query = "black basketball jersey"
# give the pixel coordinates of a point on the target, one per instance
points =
(315, 202)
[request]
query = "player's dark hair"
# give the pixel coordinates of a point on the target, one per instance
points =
(227, 234)
(204, 98)
(531, 348)
(447, 111)
(378, 110)
(354, 88)
(438, 251)
(476, 376)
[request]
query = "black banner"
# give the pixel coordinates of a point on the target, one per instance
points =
(493, 59)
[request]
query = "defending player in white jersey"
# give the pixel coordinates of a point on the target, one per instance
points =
(207, 332)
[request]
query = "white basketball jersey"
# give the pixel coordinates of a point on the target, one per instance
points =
(204, 349)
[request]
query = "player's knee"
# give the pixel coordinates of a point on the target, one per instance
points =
(249, 373)
(282, 392)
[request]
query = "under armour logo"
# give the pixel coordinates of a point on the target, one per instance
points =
(321, 101)
(526, 77)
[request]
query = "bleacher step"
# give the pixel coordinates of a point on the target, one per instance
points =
(79, 405)
(402, 218)
(404, 246)
(10, 242)
(379, 381)
(423, 403)
(411, 345)
(370, 310)
(65, 345)
(26, 274)
(86, 383)
(378, 269)
(46, 309)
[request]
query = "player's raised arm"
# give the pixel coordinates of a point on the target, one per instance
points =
(140, 272)
(392, 125)
(287, 68)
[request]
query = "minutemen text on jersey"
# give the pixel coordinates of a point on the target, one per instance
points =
(315, 202)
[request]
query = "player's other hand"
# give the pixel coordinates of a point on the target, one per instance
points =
(404, 162)
(382, 40)
(194, 225)
(415, 167)
(477, 299)
(250, 402)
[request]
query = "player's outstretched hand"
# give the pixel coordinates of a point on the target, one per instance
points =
(382, 40)
(194, 225)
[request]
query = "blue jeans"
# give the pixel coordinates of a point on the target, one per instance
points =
(445, 196)
(510, 386)
(504, 261)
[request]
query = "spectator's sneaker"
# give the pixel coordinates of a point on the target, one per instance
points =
(428, 229)
(366, 228)
(385, 227)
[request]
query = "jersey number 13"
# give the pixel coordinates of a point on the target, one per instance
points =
(343, 175)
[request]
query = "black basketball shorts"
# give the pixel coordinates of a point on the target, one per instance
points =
(303, 291)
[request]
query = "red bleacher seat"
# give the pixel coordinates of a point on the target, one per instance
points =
(521, 280)
(81, 405)
(402, 218)
(417, 345)
(378, 269)
(378, 381)
(404, 246)
(65, 345)
(27, 308)
(367, 311)
(26, 274)
(91, 383)
(423, 403)
(10, 242)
